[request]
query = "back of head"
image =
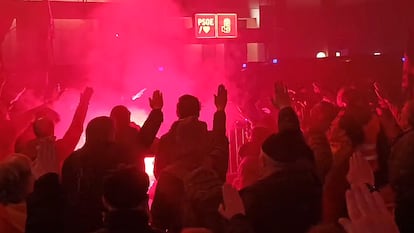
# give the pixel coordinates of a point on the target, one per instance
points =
(121, 116)
(188, 106)
(44, 127)
(126, 188)
(287, 147)
(15, 179)
(100, 130)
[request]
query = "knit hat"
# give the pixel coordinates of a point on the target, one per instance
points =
(126, 188)
(287, 147)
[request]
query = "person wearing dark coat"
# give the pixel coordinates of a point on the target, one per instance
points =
(287, 199)
(135, 141)
(82, 176)
(192, 168)
(45, 206)
(126, 202)
(401, 171)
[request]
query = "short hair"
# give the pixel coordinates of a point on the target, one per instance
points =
(187, 106)
(120, 113)
(126, 188)
(15, 173)
(99, 129)
(43, 127)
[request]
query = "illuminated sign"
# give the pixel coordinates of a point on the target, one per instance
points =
(227, 25)
(206, 25)
(216, 26)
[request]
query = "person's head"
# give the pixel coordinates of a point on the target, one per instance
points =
(44, 127)
(188, 106)
(100, 130)
(407, 115)
(121, 116)
(126, 189)
(284, 150)
(16, 179)
(322, 115)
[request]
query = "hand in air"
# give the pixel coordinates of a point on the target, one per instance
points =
(360, 171)
(233, 204)
(86, 95)
(156, 102)
(220, 100)
(281, 97)
(367, 213)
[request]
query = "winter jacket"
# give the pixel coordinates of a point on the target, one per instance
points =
(45, 206)
(82, 182)
(137, 142)
(171, 208)
(289, 200)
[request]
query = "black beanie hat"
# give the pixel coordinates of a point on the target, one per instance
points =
(126, 188)
(287, 147)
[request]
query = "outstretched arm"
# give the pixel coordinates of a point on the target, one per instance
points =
(288, 119)
(73, 134)
(220, 152)
(153, 123)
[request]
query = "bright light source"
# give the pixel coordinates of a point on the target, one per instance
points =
(275, 61)
(337, 54)
(404, 59)
(321, 55)
(377, 54)
(117, 35)
(244, 65)
(161, 69)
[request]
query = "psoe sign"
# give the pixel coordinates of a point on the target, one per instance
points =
(215, 26)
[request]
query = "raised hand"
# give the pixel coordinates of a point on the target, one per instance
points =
(87, 95)
(360, 172)
(382, 100)
(156, 102)
(220, 100)
(281, 97)
(233, 204)
(367, 213)
(46, 160)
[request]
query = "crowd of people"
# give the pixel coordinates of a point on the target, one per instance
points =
(349, 169)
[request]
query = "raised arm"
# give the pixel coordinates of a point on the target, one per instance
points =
(220, 152)
(153, 123)
(74, 132)
(288, 119)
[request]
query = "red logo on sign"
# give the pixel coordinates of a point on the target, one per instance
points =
(227, 25)
(205, 25)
